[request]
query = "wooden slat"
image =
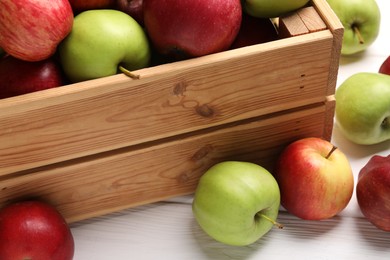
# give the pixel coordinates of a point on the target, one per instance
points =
(116, 180)
(100, 115)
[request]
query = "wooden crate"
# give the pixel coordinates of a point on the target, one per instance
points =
(104, 145)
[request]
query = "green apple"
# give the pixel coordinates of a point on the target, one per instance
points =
(271, 8)
(100, 42)
(361, 21)
(363, 108)
(236, 203)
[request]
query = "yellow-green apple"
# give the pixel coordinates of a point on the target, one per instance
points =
(19, 77)
(373, 191)
(236, 203)
(315, 179)
(254, 30)
(271, 8)
(31, 30)
(34, 230)
(83, 5)
(385, 67)
(363, 108)
(134, 8)
(361, 21)
(100, 42)
(191, 28)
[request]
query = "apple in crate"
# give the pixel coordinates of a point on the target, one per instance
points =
(100, 43)
(34, 230)
(134, 8)
(315, 179)
(191, 28)
(271, 8)
(236, 203)
(83, 5)
(385, 67)
(361, 21)
(363, 108)
(19, 77)
(373, 191)
(31, 30)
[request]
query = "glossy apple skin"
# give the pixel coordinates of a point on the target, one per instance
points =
(192, 28)
(385, 67)
(32, 30)
(253, 31)
(134, 8)
(34, 230)
(270, 9)
(373, 191)
(19, 77)
(229, 198)
(363, 108)
(364, 15)
(312, 186)
(83, 5)
(100, 41)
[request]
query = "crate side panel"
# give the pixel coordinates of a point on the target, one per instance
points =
(117, 181)
(189, 98)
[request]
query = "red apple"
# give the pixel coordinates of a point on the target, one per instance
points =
(19, 77)
(31, 30)
(254, 30)
(191, 28)
(34, 230)
(373, 191)
(315, 179)
(83, 5)
(134, 8)
(385, 67)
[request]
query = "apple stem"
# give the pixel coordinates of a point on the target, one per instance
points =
(129, 73)
(277, 224)
(358, 34)
(331, 151)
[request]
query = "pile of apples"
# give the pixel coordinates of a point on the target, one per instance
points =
(57, 42)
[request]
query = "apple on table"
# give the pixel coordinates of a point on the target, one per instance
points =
(385, 67)
(32, 33)
(315, 179)
(236, 203)
(363, 108)
(373, 191)
(34, 230)
(361, 21)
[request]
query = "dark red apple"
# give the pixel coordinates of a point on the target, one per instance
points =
(373, 191)
(83, 5)
(254, 30)
(31, 30)
(192, 28)
(34, 230)
(19, 77)
(385, 67)
(134, 8)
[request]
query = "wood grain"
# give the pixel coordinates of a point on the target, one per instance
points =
(125, 178)
(114, 112)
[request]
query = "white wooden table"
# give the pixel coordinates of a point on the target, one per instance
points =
(167, 230)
